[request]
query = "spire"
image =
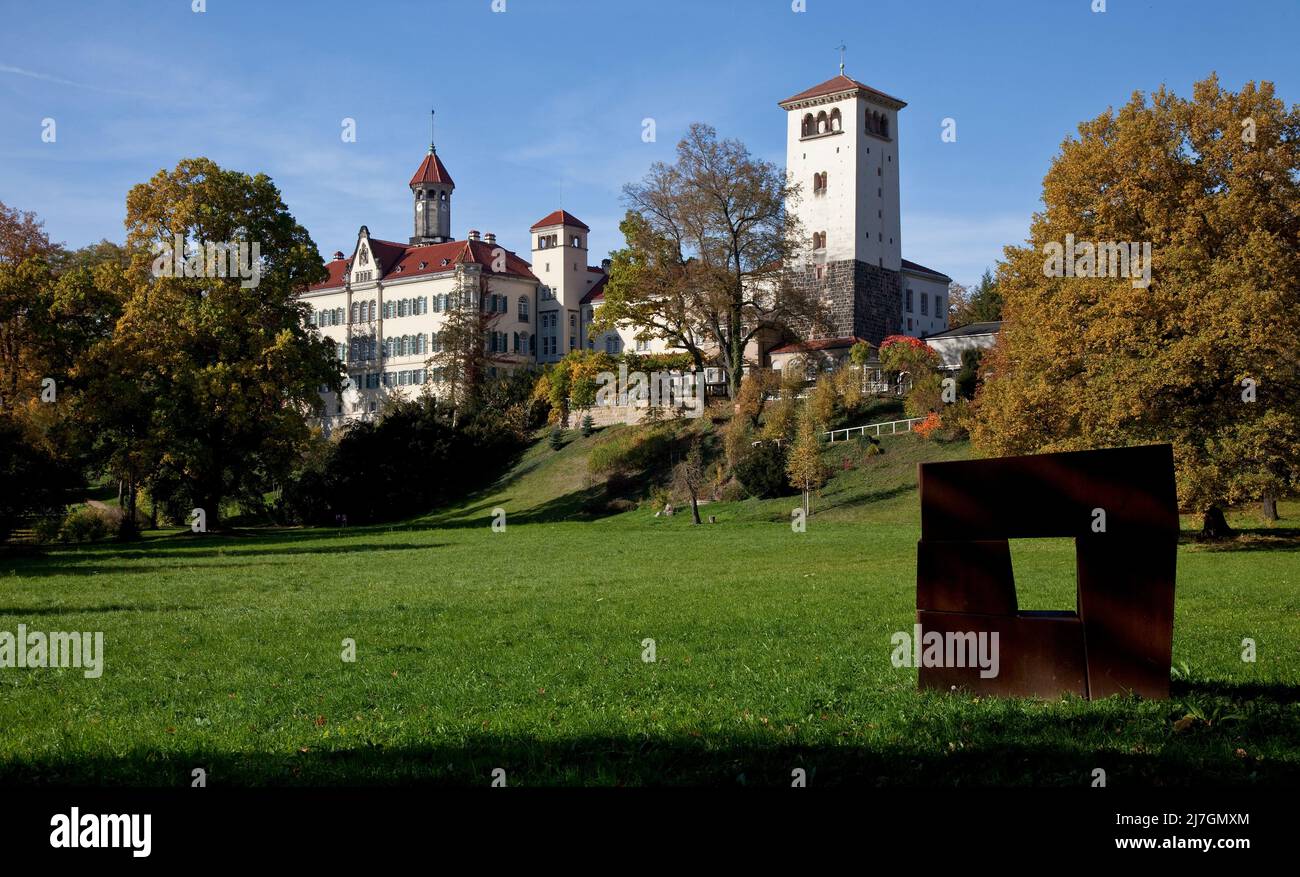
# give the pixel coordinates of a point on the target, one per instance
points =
(843, 48)
(432, 132)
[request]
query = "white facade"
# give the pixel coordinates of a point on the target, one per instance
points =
(925, 302)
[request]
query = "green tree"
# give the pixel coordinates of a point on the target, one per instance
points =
(235, 366)
(689, 476)
(460, 359)
(982, 304)
(1212, 183)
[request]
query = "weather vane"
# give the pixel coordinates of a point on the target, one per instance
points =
(843, 48)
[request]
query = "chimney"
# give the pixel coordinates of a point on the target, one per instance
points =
(473, 234)
(605, 265)
(490, 237)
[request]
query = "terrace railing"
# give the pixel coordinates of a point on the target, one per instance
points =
(891, 425)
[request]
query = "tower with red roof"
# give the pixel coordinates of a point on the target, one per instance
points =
(431, 189)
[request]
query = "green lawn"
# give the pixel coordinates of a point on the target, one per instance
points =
(523, 650)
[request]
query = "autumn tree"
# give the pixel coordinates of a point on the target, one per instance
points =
(916, 364)
(804, 466)
(707, 241)
(1203, 352)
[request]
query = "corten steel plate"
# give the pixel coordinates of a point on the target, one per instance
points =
(1122, 634)
(1040, 654)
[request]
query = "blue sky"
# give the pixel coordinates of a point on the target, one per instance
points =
(541, 106)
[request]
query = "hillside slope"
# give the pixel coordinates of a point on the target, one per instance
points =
(550, 485)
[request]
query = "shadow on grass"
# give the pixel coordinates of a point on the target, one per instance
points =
(658, 761)
(588, 504)
(1247, 539)
(180, 555)
(1277, 692)
(87, 610)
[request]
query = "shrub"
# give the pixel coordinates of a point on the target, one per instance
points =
(588, 426)
(762, 471)
(84, 524)
(399, 466)
(927, 427)
(631, 450)
(557, 438)
(47, 527)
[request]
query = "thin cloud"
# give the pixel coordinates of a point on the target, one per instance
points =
(57, 80)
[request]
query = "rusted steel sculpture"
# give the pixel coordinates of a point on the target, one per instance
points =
(1120, 507)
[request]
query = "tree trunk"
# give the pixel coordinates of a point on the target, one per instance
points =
(126, 528)
(1268, 507)
(695, 509)
(1214, 525)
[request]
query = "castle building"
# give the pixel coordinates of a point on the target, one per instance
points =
(385, 304)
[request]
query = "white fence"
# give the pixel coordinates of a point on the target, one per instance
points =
(891, 425)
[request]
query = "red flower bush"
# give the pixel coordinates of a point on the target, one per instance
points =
(927, 427)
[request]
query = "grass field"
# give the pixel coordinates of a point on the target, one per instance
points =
(523, 650)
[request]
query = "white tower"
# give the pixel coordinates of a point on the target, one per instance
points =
(842, 151)
(560, 263)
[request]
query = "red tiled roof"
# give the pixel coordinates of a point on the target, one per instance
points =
(559, 217)
(432, 170)
(399, 260)
(839, 83)
(597, 292)
(337, 268)
(818, 344)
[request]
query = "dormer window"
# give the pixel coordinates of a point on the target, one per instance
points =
(423, 265)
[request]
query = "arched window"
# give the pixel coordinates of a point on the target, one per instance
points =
(354, 311)
(822, 123)
(835, 119)
(825, 181)
(809, 126)
(884, 126)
